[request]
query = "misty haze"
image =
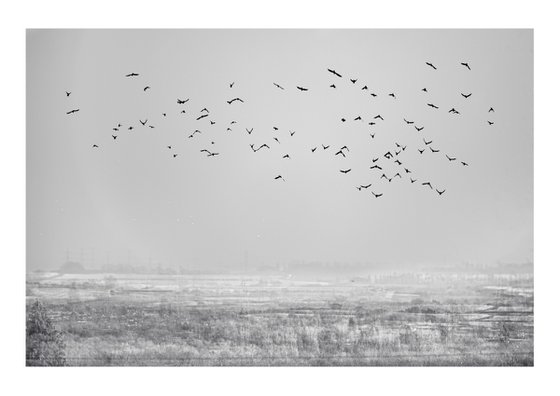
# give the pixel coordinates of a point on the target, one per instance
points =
(279, 197)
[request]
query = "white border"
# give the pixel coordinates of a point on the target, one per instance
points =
(17, 16)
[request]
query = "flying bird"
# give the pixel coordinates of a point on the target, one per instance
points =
(204, 109)
(427, 143)
(424, 90)
(325, 147)
(345, 170)
(313, 149)
(464, 163)
(413, 180)
(179, 101)
(332, 86)
(67, 93)
(433, 105)
(72, 111)
(376, 167)
(372, 135)
(231, 85)
(418, 129)
(249, 131)
(490, 123)
(364, 87)
(279, 177)
(440, 192)
(132, 75)
(234, 100)
(292, 133)
(373, 94)
(95, 146)
(431, 65)
(175, 155)
(358, 118)
(146, 88)
(340, 152)
(450, 158)
(334, 72)
(434, 150)
(263, 146)
(278, 86)
(407, 171)
(114, 137)
(366, 186)
(466, 96)
(376, 195)
(202, 116)
(345, 148)
(408, 122)
(354, 81)
(491, 110)
(466, 65)
(393, 95)
(275, 138)
(143, 122)
(421, 151)
(286, 156)
(428, 184)
(302, 88)
(378, 117)
(343, 119)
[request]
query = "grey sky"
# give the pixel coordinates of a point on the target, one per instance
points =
(131, 195)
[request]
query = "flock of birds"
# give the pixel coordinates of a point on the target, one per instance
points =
(379, 164)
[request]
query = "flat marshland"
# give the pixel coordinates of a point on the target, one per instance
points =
(441, 319)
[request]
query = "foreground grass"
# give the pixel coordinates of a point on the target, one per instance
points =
(124, 332)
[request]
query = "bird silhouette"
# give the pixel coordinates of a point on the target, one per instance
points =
(95, 146)
(393, 95)
(364, 88)
(72, 111)
(428, 184)
(169, 147)
(67, 93)
(427, 143)
(466, 65)
(263, 146)
(384, 176)
(464, 163)
(334, 72)
(408, 122)
(376, 195)
(115, 129)
(286, 156)
(292, 133)
(340, 152)
(275, 128)
(418, 129)
(424, 90)
(204, 109)
(231, 85)
(453, 111)
(491, 110)
(179, 101)
(278, 86)
(376, 167)
(374, 160)
(366, 186)
(379, 117)
(373, 94)
(407, 171)
(175, 155)
(358, 118)
(434, 150)
(388, 155)
(183, 112)
(235, 100)
(325, 147)
(202, 116)
(114, 137)
(333, 86)
(146, 88)
(212, 154)
(302, 89)
(490, 123)
(130, 128)
(345, 170)
(431, 65)
(151, 126)
(249, 131)
(450, 158)
(205, 151)
(398, 162)
(275, 138)
(313, 149)
(164, 114)
(354, 81)
(440, 192)
(466, 96)
(279, 177)
(143, 122)
(397, 174)
(343, 119)
(421, 151)
(212, 122)
(372, 135)
(413, 180)
(433, 105)
(345, 148)
(132, 75)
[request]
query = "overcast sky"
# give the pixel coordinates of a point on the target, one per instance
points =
(131, 198)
